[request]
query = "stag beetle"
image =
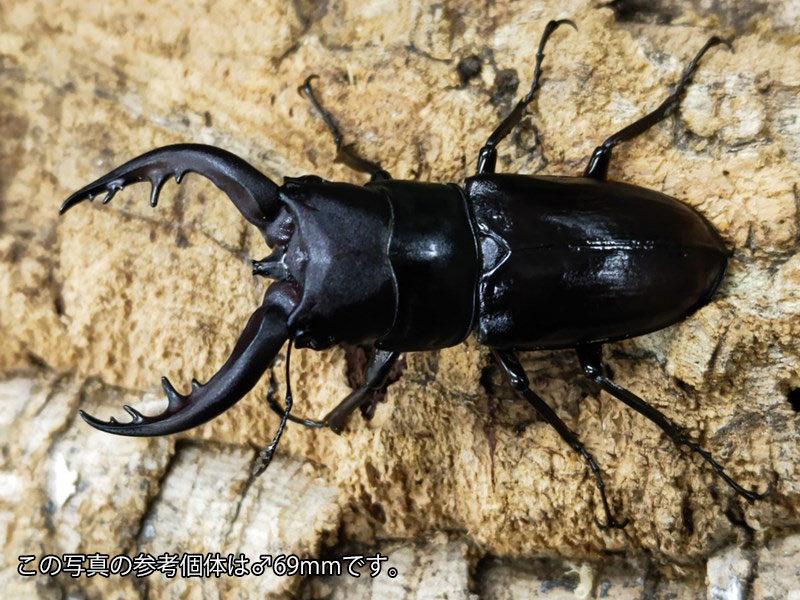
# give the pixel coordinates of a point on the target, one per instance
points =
(525, 262)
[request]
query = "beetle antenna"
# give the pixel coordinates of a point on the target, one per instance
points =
(265, 456)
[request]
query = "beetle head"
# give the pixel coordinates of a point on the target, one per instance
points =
(331, 240)
(333, 282)
(256, 197)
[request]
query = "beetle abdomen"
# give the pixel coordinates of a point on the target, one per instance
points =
(567, 261)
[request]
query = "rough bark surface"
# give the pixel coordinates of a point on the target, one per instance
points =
(118, 295)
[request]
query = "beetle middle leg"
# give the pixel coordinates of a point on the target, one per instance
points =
(487, 157)
(508, 361)
(345, 153)
(591, 360)
(598, 163)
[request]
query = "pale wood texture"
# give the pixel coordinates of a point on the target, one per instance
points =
(124, 293)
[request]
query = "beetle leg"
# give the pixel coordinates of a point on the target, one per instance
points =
(508, 361)
(280, 410)
(255, 195)
(487, 157)
(592, 363)
(378, 371)
(345, 154)
(598, 163)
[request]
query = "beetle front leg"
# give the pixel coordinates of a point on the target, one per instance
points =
(508, 361)
(276, 407)
(378, 371)
(591, 360)
(345, 153)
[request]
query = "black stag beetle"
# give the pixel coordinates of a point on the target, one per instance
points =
(525, 262)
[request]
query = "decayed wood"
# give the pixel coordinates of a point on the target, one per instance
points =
(126, 293)
(69, 491)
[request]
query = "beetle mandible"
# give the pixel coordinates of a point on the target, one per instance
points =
(525, 262)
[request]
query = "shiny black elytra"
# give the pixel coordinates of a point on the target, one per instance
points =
(525, 262)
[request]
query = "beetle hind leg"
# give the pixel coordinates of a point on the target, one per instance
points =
(590, 357)
(345, 153)
(598, 162)
(508, 361)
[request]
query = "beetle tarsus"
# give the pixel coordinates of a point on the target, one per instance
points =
(509, 363)
(280, 410)
(612, 524)
(276, 407)
(590, 357)
(599, 161)
(345, 153)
